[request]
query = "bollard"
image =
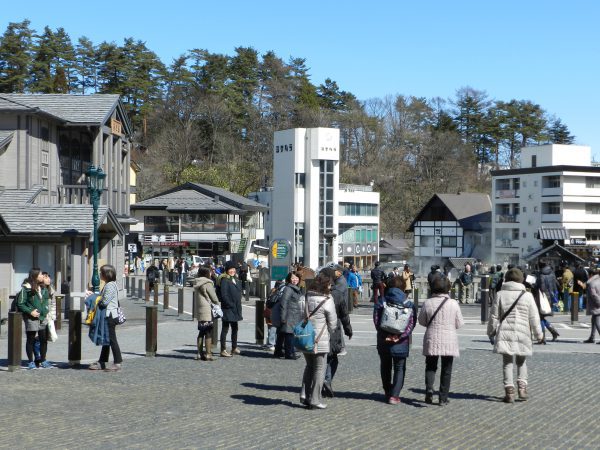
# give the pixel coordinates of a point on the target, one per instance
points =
(262, 291)
(151, 330)
(15, 333)
(349, 301)
(140, 293)
(166, 297)
(416, 298)
(194, 304)
(180, 301)
(59, 302)
(247, 293)
(74, 337)
(453, 293)
(156, 288)
(215, 335)
(147, 291)
(127, 286)
(574, 307)
(483, 296)
(260, 322)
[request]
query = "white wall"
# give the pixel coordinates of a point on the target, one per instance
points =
(556, 155)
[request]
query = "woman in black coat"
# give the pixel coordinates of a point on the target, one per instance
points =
(231, 304)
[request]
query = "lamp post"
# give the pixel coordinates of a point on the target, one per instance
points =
(95, 184)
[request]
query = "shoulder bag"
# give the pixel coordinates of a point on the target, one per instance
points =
(436, 311)
(505, 315)
(304, 333)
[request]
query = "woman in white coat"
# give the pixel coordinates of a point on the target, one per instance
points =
(324, 321)
(513, 319)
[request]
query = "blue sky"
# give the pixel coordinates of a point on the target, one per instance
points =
(546, 51)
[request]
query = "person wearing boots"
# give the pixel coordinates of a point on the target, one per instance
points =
(205, 295)
(546, 283)
(592, 306)
(231, 303)
(514, 318)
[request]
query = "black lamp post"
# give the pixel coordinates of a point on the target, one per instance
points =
(95, 185)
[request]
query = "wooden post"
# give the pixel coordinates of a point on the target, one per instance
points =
(156, 288)
(151, 330)
(260, 322)
(574, 307)
(127, 286)
(74, 337)
(15, 334)
(166, 297)
(484, 295)
(59, 303)
(180, 301)
(215, 334)
(147, 291)
(140, 293)
(194, 304)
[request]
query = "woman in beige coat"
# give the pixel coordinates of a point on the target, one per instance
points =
(205, 295)
(324, 321)
(512, 336)
(442, 317)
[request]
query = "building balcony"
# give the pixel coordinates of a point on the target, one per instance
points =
(507, 218)
(551, 218)
(551, 192)
(73, 194)
(507, 243)
(507, 193)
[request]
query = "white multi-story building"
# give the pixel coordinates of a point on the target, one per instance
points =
(310, 208)
(555, 187)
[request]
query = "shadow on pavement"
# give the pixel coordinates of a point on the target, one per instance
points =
(463, 395)
(271, 387)
(262, 401)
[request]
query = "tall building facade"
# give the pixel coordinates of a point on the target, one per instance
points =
(556, 187)
(322, 219)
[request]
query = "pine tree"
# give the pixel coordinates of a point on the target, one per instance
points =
(15, 57)
(86, 66)
(558, 132)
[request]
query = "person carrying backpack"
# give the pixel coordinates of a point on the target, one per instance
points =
(152, 275)
(393, 348)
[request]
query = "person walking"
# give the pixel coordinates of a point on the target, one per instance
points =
(567, 282)
(336, 339)
(34, 307)
(291, 307)
(580, 278)
(441, 317)
(152, 276)
(354, 282)
(205, 297)
(592, 306)
(514, 317)
(409, 278)
(547, 285)
(231, 303)
(393, 348)
(320, 310)
(377, 278)
(465, 284)
(110, 303)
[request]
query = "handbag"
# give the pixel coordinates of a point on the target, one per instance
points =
(395, 318)
(52, 336)
(120, 315)
(216, 311)
(545, 308)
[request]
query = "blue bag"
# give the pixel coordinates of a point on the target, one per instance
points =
(304, 332)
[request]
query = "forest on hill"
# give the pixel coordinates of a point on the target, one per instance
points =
(209, 118)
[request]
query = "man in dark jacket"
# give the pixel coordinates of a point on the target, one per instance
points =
(465, 283)
(377, 277)
(152, 276)
(336, 340)
(580, 275)
(231, 303)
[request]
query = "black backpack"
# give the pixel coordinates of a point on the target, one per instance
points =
(152, 275)
(14, 306)
(275, 297)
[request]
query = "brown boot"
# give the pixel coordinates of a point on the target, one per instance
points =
(509, 396)
(208, 343)
(522, 390)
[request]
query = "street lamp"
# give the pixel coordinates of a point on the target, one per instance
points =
(95, 184)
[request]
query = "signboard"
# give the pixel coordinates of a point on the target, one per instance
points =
(578, 241)
(132, 248)
(280, 259)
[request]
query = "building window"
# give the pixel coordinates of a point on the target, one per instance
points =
(592, 235)
(552, 181)
(524, 234)
(300, 180)
(325, 204)
(592, 208)
(524, 208)
(592, 182)
(357, 209)
(533, 160)
(515, 233)
(534, 183)
(516, 184)
(535, 209)
(448, 241)
(551, 208)
(503, 184)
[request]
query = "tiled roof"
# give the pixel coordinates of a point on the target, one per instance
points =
(459, 263)
(230, 197)
(5, 137)
(554, 234)
(556, 250)
(12, 197)
(77, 109)
(185, 200)
(466, 204)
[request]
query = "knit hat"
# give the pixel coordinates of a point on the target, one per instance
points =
(229, 265)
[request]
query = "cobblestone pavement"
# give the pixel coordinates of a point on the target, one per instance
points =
(251, 401)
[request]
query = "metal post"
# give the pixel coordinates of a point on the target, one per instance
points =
(247, 294)
(95, 197)
(147, 291)
(15, 333)
(350, 300)
(484, 295)
(263, 291)
(156, 288)
(574, 307)
(74, 337)
(180, 301)
(416, 298)
(140, 293)
(127, 280)
(151, 330)
(59, 302)
(215, 334)
(166, 297)
(260, 322)
(194, 304)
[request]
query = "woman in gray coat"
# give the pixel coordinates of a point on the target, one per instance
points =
(205, 296)
(291, 305)
(592, 305)
(513, 319)
(320, 304)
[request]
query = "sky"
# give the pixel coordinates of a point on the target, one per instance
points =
(546, 51)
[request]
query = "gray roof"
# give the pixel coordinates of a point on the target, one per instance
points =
(17, 209)
(466, 204)
(555, 249)
(554, 234)
(200, 197)
(5, 137)
(459, 263)
(185, 200)
(75, 109)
